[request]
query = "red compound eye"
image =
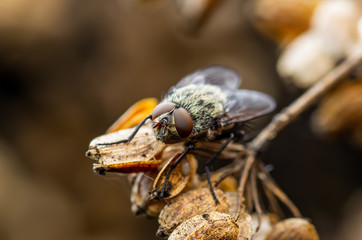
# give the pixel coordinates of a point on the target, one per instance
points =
(162, 108)
(183, 122)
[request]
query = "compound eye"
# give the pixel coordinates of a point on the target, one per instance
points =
(162, 108)
(183, 122)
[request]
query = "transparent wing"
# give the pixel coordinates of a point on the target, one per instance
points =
(244, 105)
(216, 75)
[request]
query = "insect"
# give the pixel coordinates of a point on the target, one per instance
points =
(206, 105)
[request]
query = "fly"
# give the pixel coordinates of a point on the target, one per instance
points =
(206, 105)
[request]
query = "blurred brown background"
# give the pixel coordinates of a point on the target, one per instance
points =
(68, 69)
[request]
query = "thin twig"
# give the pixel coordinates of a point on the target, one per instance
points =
(248, 197)
(282, 119)
(276, 190)
(289, 113)
(274, 204)
(255, 197)
(243, 179)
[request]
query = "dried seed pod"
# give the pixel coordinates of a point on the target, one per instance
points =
(181, 176)
(282, 20)
(340, 113)
(245, 221)
(139, 155)
(245, 226)
(169, 151)
(233, 202)
(140, 196)
(266, 224)
(187, 205)
(207, 226)
(293, 228)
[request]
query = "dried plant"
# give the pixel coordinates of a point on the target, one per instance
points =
(244, 201)
(191, 211)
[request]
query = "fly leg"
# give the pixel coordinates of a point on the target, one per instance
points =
(210, 162)
(131, 136)
(173, 166)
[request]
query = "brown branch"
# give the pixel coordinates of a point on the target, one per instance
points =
(255, 197)
(243, 180)
(289, 113)
(276, 190)
(286, 116)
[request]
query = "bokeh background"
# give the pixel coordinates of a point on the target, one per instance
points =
(69, 68)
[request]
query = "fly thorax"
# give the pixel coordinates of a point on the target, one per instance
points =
(203, 102)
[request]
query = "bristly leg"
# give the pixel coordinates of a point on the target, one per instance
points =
(210, 185)
(173, 166)
(210, 162)
(131, 136)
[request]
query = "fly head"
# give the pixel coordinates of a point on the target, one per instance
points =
(171, 123)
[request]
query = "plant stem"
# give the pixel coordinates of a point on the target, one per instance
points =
(289, 113)
(286, 116)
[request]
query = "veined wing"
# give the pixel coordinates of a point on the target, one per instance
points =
(243, 105)
(221, 76)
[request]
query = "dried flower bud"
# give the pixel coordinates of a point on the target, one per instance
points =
(293, 228)
(187, 205)
(233, 203)
(244, 219)
(245, 226)
(340, 113)
(310, 51)
(266, 223)
(140, 196)
(136, 156)
(181, 176)
(332, 36)
(282, 20)
(207, 226)
(229, 184)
